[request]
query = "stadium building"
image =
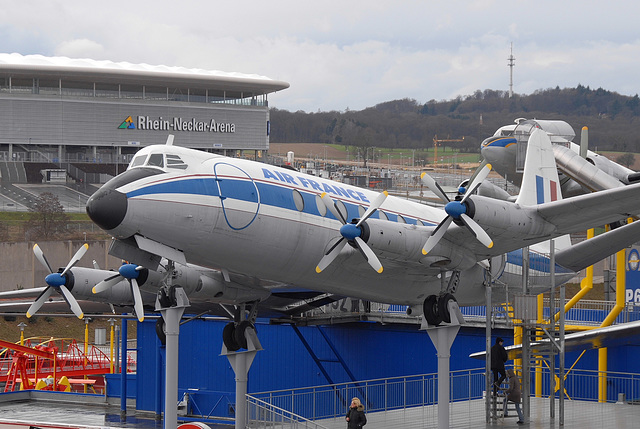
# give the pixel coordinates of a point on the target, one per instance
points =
(60, 110)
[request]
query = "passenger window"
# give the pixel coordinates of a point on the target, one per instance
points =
(155, 159)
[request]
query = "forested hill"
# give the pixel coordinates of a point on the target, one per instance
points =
(613, 120)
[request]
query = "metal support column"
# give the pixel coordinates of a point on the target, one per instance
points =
(526, 342)
(172, 316)
(241, 363)
(442, 337)
(123, 370)
(487, 363)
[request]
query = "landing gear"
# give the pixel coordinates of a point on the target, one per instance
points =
(436, 309)
(234, 333)
(229, 337)
(431, 312)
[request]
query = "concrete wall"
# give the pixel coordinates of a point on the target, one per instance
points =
(19, 269)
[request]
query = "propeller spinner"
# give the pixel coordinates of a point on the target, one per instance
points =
(60, 282)
(132, 273)
(351, 233)
(457, 210)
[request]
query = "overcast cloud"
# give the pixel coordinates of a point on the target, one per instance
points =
(349, 54)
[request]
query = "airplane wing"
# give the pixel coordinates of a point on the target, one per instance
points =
(19, 301)
(582, 212)
(588, 252)
(610, 336)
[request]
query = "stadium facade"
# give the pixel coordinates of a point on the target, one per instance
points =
(58, 109)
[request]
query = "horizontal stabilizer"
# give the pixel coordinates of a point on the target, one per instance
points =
(610, 336)
(588, 252)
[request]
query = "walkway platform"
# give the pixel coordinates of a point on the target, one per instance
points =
(471, 415)
(463, 415)
(70, 414)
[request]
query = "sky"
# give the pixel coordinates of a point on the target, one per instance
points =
(349, 55)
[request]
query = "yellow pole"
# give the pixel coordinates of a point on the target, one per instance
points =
(585, 284)
(621, 258)
(538, 377)
(111, 346)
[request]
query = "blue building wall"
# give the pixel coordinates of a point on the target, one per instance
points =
(369, 350)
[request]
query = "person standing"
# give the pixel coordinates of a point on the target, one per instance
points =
(514, 395)
(355, 415)
(498, 359)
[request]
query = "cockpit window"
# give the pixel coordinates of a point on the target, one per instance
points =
(174, 161)
(138, 160)
(155, 159)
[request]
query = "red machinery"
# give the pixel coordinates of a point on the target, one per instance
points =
(55, 358)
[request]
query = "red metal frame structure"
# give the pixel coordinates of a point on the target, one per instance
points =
(48, 357)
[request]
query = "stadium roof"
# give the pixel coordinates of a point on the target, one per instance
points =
(88, 70)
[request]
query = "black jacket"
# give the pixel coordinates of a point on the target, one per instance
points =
(356, 416)
(498, 357)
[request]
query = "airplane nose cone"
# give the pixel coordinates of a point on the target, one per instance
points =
(107, 208)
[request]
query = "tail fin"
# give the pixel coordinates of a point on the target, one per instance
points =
(540, 183)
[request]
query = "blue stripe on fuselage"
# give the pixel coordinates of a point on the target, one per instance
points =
(270, 194)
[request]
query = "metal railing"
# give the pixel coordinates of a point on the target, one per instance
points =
(261, 414)
(331, 401)
(394, 400)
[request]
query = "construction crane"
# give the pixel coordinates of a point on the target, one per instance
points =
(437, 142)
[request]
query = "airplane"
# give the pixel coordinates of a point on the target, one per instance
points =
(578, 174)
(269, 225)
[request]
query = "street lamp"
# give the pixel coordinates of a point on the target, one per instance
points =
(22, 325)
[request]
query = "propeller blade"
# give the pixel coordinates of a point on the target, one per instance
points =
(76, 258)
(373, 207)
(137, 299)
(478, 170)
(477, 230)
(434, 187)
(44, 296)
(331, 255)
(331, 206)
(436, 235)
(40, 257)
(372, 259)
(107, 283)
(477, 181)
(95, 265)
(73, 304)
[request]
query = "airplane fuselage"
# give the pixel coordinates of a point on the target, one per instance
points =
(270, 223)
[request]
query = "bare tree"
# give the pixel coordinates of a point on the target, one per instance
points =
(627, 159)
(47, 218)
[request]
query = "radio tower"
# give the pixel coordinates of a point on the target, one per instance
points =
(512, 61)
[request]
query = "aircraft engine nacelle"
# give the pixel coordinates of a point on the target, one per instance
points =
(404, 242)
(489, 212)
(216, 289)
(394, 238)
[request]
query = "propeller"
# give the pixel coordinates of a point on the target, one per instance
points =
(351, 233)
(132, 273)
(456, 210)
(58, 282)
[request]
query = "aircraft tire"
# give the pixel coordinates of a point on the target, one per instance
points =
(240, 337)
(228, 337)
(430, 309)
(443, 307)
(162, 336)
